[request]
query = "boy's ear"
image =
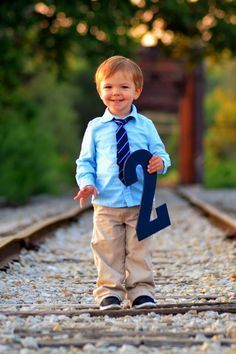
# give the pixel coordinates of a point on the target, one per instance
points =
(138, 93)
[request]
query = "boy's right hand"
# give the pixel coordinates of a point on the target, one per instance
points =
(85, 192)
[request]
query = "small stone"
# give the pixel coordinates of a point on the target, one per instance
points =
(204, 346)
(102, 344)
(84, 316)
(29, 342)
(127, 349)
(231, 331)
(201, 337)
(89, 347)
(25, 351)
(57, 327)
(4, 349)
(193, 312)
(233, 277)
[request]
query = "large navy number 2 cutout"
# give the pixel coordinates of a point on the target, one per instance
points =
(145, 227)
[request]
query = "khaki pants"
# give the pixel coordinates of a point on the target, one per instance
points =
(123, 263)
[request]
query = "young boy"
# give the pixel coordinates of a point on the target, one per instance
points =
(123, 263)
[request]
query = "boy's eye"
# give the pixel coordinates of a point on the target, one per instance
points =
(107, 87)
(125, 86)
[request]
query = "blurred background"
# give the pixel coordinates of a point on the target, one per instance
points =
(49, 54)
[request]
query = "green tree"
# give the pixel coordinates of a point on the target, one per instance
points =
(58, 37)
(220, 139)
(32, 32)
(38, 139)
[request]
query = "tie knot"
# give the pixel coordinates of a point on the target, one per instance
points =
(122, 121)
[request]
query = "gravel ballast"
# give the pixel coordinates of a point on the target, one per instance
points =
(192, 260)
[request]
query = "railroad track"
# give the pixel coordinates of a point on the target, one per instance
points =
(105, 338)
(10, 245)
(100, 335)
(220, 218)
(163, 309)
(193, 309)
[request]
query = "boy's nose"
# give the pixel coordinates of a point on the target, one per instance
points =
(116, 91)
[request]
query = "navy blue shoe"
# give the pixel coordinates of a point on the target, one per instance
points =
(110, 303)
(144, 302)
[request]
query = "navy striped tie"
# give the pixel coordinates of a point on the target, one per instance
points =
(123, 150)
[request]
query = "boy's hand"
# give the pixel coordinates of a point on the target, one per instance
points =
(84, 193)
(155, 164)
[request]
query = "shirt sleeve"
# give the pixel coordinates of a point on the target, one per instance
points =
(156, 147)
(86, 163)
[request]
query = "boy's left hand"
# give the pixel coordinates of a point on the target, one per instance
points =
(155, 164)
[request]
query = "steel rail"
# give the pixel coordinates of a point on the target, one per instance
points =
(10, 245)
(135, 339)
(165, 309)
(219, 217)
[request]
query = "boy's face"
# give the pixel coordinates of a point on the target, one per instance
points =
(118, 93)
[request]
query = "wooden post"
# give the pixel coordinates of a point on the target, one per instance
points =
(199, 123)
(186, 146)
(191, 128)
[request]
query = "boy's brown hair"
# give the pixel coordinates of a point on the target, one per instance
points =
(113, 64)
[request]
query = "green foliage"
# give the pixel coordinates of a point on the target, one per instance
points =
(50, 31)
(220, 140)
(86, 99)
(38, 142)
(220, 173)
(27, 160)
(41, 118)
(57, 117)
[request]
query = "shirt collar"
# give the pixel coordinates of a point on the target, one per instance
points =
(108, 116)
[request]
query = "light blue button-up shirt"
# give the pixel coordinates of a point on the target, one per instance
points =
(97, 164)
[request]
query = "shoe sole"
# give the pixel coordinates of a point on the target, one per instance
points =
(110, 307)
(146, 305)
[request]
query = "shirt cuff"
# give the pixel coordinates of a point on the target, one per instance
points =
(86, 181)
(163, 171)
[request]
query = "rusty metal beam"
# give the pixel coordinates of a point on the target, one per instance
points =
(191, 128)
(186, 144)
